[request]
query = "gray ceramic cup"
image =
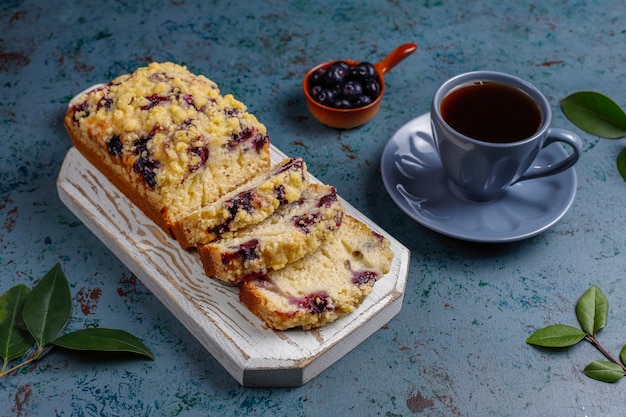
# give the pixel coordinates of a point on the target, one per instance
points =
(481, 171)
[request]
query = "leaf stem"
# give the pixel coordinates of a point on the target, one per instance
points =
(31, 359)
(18, 366)
(606, 353)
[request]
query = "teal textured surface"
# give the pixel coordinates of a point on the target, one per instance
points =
(457, 347)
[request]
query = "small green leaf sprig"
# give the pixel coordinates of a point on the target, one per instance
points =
(599, 115)
(591, 311)
(31, 321)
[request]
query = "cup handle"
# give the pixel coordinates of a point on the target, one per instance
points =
(556, 135)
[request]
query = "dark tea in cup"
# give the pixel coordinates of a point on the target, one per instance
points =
(489, 128)
(491, 112)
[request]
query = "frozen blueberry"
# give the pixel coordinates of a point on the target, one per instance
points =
(336, 74)
(362, 101)
(362, 71)
(326, 96)
(371, 88)
(352, 90)
(344, 87)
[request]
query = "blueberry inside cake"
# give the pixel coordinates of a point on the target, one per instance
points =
(324, 286)
(291, 232)
(248, 204)
(168, 139)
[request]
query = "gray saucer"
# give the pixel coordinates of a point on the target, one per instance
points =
(414, 178)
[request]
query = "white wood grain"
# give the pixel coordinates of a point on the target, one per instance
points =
(209, 309)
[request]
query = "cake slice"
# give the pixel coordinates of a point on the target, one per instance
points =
(323, 286)
(291, 232)
(246, 205)
(168, 139)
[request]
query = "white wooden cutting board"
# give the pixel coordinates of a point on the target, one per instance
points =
(210, 310)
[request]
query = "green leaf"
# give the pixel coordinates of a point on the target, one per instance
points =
(556, 335)
(604, 371)
(595, 113)
(592, 310)
(622, 355)
(621, 163)
(15, 340)
(99, 339)
(48, 308)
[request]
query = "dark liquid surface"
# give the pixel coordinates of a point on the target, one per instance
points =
(491, 112)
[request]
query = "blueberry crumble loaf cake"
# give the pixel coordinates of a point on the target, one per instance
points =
(248, 204)
(197, 163)
(323, 286)
(290, 233)
(168, 139)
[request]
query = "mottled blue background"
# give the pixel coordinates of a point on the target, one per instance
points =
(458, 347)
